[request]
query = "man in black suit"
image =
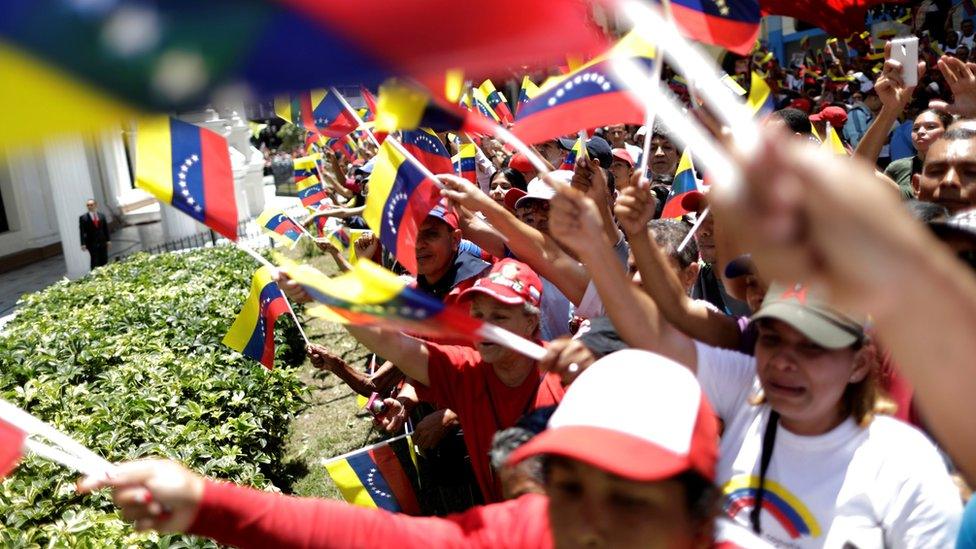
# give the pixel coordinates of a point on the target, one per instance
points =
(94, 235)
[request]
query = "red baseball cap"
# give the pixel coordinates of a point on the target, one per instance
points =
(835, 115)
(446, 214)
(509, 281)
(521, 163)
(512, 195)
(622, 154)
(655, 426)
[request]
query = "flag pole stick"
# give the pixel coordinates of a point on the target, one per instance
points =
(649, 111)
(365, 449)
(685, 130)
(260, 259)
(521, 147)
(70, 461)
(31, 425)
(700, 71)
(694, 229)
(511, 341)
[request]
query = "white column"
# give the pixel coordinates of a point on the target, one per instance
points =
(70, 181)
(117, 181)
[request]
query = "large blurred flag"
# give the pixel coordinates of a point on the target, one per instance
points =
(684, 184)
(370, 295)
(188, 167)
(112, 58)
(589, 97)
(496, 101)
(465, 164)
(403, 106)
(11, 447)
(426, 147)
(731, 24)
(837, 17)
(400, 197)
(760, 99)
(252, 333)
(375, 477)
(280, 226)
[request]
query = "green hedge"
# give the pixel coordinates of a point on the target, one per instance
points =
(129, 362)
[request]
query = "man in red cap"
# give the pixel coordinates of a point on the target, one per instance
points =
(835, 116)
(627, 465)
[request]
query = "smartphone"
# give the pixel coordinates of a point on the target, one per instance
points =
(905, 51)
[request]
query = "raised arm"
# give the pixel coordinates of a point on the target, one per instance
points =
(484, 235)
(575, 220)
(894, 96)
(537, 250)
(408, 354)
(634, 209)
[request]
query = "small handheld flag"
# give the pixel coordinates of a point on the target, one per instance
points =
(579, 149)
(528, 91)
(11, 447)
(281, 227)
(403, 106)
(189, 168)
(400, 197)
(331, 117)
(465, 165)
(370, 295)
(684, 184)
(375, 477)
(252, 333)
(496, 101)
(344, 239)
(760, 98)
(426, 147)
(475, 99)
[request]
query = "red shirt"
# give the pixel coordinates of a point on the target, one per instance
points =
(245, 517)
(461, 381)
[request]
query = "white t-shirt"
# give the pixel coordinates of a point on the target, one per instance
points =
(880, 486)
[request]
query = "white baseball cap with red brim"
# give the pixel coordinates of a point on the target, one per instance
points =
(634, 414)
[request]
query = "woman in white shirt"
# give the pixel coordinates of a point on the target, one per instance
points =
(801, 443)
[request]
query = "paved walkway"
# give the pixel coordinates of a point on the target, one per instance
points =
(125, 241)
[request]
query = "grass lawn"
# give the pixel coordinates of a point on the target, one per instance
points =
(331, 424)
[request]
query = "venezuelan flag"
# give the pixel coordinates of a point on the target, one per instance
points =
(311, 192)
(496, 101)
(426, 147)
(400, 197)
(684, 184)
(375, 477)
(833, 143)
(371, 295)
(405, 107)
(332, 118)
(465, 165)
(188, 167)
(528, 91)
(282, 227)
(252, 334)
(732, 24)
(345, 239)
(475, 99)
(586, 98)
(569, 163)
(760, 98)
(297, 109)
(11, 447)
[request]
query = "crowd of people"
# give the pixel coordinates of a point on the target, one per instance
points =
(798, 373)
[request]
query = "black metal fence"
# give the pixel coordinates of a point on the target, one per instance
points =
(246, 230)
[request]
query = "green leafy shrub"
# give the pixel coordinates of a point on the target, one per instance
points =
(129, 362)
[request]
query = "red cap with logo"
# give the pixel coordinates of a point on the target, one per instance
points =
(509, 281)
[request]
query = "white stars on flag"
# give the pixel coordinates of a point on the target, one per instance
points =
(589, 78)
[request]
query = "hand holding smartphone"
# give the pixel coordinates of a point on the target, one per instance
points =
(905, 51)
